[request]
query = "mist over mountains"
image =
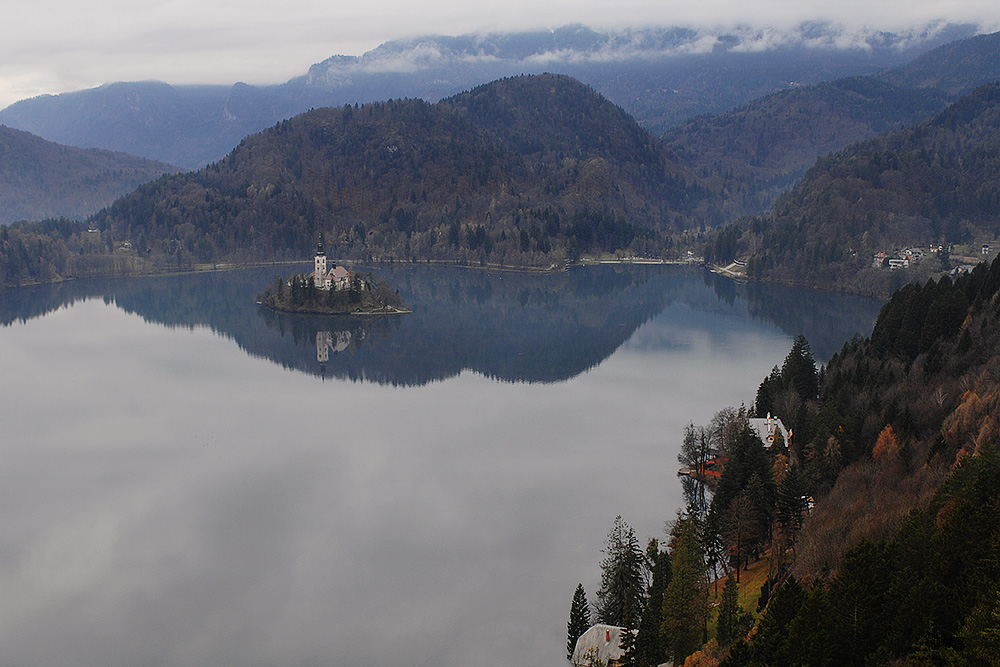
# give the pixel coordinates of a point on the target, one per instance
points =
(661, 76)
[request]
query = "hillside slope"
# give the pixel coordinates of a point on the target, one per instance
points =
(754, 153)
(954, 69)
(935, 183)
(897, 563)
(750, 155)
(40, 179)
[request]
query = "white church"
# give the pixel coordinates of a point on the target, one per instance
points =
(336, 278)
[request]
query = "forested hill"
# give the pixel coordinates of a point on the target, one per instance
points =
(954, 69)
(754, 153)
(40, 179)
(523, 172)
(898, 442)
(545, 117)
(935, 183)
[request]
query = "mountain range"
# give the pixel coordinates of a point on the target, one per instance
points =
(538, 170)
(753, 153)
(661, 76)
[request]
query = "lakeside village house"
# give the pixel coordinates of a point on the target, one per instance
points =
(765, 428)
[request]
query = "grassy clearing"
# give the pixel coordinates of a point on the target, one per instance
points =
(751, 581)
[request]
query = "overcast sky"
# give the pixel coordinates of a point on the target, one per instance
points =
(52, 46)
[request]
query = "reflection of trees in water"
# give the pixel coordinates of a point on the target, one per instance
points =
(696, 496)
(509, 326)
(827, 319)
(513, 327)
(18, 305)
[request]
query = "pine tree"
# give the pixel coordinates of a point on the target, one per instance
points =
(791, 502)
(729, 612)
(579, 620)
(798, 372)
(622, 591)
(685, 612)
(649, 649)
(627, 644)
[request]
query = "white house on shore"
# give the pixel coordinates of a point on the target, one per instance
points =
(600, 645)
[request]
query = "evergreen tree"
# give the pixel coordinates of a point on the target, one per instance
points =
(627, 644)
(742, 529)
(685, 609)
(649, 648)
(714, 543)
(622, 592)
(767, 392)
(773, 629)
(729, 613)
(798, 372)
(579, 620)
(791, 503)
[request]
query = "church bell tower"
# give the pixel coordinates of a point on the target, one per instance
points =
(319, 272)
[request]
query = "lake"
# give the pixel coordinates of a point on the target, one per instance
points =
(189, 480)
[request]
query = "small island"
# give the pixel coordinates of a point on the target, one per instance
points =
(333, 291)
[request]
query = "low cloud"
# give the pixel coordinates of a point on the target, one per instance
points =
(52, 46)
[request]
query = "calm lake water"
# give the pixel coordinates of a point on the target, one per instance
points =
(188, 480)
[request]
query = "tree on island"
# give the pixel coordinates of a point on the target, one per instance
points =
(300, 294)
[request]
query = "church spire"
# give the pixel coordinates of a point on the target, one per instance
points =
(319, 246)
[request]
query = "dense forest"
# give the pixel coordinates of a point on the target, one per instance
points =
(877, 525)
(937, 183)
(752, 154)
(462, 180)
(532, 171)
(40, 179)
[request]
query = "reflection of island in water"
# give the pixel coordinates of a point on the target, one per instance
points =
(331, 341)
(508, 326)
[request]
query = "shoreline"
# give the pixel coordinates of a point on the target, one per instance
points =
(211, 267)
(389, 310)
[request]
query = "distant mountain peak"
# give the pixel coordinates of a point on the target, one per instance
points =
(660, 75)
(576, 43)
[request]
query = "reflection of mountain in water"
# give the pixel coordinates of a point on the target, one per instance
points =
(827, 319)
(512, 327)
(508, 326)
